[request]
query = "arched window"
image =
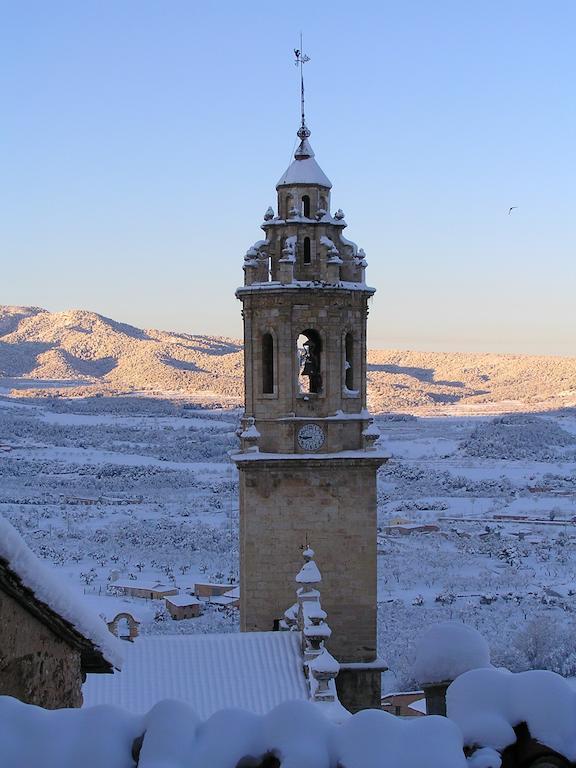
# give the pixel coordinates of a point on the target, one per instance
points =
(306, 206)
(349, 361)
(323, 204)
(289, 204)
(267, 364)
(309, 350)
(307, 257)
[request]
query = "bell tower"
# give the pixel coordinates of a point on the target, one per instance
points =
(307, 461)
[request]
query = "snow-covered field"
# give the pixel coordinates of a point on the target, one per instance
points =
(141, 488)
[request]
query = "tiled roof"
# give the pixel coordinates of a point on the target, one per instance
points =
(252, 670)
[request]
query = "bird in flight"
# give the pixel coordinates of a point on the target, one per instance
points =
(511, 209)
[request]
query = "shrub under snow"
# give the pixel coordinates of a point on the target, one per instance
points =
(487, 703)
(447, 650)
(518, 436)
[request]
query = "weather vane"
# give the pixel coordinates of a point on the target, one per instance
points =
(299, 61)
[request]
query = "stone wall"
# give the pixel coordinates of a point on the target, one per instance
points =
(331, 504)
(36, 666)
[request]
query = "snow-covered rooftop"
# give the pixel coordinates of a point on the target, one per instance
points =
(304, 169)
(53, 592)
(183, 601)
(254, 671)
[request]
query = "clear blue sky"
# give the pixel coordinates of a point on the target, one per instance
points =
(141, 141)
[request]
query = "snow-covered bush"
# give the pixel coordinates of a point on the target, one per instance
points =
(446, 650)
(519, 436)
(487, 703)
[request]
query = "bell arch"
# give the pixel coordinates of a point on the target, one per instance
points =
(309, 350)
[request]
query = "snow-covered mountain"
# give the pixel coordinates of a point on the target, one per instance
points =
(79, 352)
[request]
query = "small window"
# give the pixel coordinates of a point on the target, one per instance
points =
(307, 257)
(267, 364)
(349, 361)
(289, 204)
(306, 206)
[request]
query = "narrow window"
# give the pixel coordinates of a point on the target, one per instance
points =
(307, 257)
(349, 361)
(306, 206)
(323, 204)
(309, 349)
(288, 206)
(267, 364)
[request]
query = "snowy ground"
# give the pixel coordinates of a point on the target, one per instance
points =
(501, 491)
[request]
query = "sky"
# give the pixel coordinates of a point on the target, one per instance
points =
(141, 142)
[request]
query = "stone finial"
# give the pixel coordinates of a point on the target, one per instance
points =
(308, 617)
(339, 214)
(249, 435)
(323, 669)
(286, 263)
(370, 435)
(269, 215)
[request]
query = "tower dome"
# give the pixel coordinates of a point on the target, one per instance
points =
(304, 169)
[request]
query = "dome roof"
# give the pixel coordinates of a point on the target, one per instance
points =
(304, 169)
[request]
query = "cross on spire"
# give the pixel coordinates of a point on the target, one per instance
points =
(300, 59)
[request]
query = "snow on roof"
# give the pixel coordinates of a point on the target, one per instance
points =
(305, 171)
(149, 586)
(447, 650)
(222, 600)
(183, 600)
(487, 703)
(233, 593)
(250, 670)
(56, 594)
(419, 705)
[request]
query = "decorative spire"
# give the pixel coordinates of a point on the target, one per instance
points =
(303, 133)
(299, 61)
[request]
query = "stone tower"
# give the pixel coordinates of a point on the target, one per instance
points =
(307, 462)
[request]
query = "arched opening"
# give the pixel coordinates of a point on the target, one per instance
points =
(267, 364)
(349, 361)
(288, 203)
(306, 206)
(307, 254)
(309, 350)
(123, 629)
(323, 204)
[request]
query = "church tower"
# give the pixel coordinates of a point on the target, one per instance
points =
(307, 461)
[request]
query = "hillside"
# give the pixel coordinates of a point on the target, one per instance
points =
(79, 353)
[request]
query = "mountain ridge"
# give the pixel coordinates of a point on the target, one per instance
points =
(78, 352)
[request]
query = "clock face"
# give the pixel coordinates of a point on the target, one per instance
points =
(310, 437)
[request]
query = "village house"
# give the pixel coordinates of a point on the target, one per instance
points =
(49, 640)
(148, 590)
(208, 589)
(183, 607)
(405, 703)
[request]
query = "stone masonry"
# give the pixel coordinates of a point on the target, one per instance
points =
(36, 666)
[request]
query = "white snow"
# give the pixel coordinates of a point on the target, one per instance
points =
(175, 737)
(56, 594)
(447, 650)
(309, 574)
(255, 671)
(487, 703)
(305, 171)
(372, 739)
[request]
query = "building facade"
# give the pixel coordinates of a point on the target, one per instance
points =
(307, 461)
